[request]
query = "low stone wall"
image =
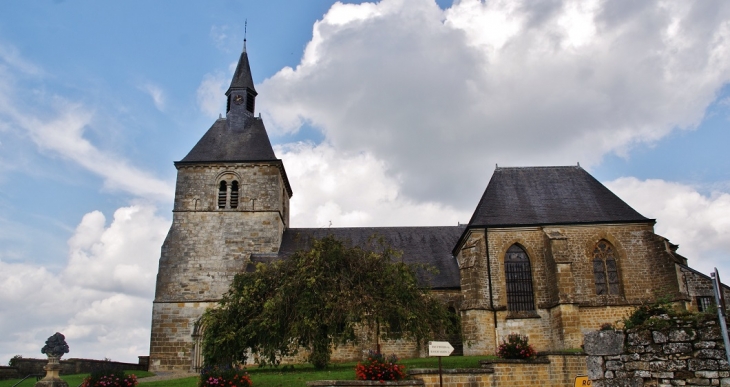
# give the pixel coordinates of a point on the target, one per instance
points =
(454, 377)
(682, 353)
(360, 383)
(27, 366)
(548, 370)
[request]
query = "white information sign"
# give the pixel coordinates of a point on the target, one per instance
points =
(439, 348)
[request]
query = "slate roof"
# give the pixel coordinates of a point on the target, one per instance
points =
(549, 195)
(242, 76)
(246, 144)
(420, 245)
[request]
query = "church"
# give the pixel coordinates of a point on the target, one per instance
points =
(549, 252)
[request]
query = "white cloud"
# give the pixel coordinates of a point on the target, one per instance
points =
(111, 259)
(699, 223)
(12, 58)
(154, 91)
(211, 94)
(63, 134)
(441, 96)
(59, 129)
(351, 191)
(100, 301)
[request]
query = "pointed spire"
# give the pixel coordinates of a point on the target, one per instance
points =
(242, 78)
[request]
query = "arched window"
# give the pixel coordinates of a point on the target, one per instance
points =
(519, 280)
(222, 193)
(228, 193)
(197, 350)
(234, 194)
(605, 270)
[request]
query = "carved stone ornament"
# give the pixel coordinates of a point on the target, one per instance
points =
(55, 348)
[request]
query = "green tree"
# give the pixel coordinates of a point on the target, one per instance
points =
(316, 299)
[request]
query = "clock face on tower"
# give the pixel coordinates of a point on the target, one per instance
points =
(238, 99)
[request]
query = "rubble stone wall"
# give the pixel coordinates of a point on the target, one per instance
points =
(680, 353)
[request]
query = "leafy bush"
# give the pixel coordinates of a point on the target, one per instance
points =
(108, 378)
(14, 360)
(607, 327)
(379, 367)
(516, 347)
(224, 376)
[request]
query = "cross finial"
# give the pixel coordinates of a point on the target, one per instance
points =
(245, 27)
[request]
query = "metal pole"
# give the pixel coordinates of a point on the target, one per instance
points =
(441, 380)
(721, 311)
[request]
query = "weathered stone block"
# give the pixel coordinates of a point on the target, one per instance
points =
(701, 364)
(698, 382)
(640, 338)
(594, 365)
(659, 365)
(680, 335)
(636, 365)
(659, 337)
(662, 375)
(710, 354)
(704, 344)
(672, 348)
(706, 374)
(603, 343)
(710, 333)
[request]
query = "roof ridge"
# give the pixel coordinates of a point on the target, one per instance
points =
(542, 167)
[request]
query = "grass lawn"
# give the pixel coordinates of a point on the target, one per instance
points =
(302, 373)
(72, 380)
(280, 377)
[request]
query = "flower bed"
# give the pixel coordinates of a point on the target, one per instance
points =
(381, 368)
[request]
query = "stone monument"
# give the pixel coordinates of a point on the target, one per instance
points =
(55, 348)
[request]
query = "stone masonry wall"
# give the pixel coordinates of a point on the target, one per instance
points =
(204, 250)
(171, 340)
(207, 246)
(553, 370)
(696, 284)
(681, 352)
(261, 186)
(566, 303)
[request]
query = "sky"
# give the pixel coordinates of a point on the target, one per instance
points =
(388, 113)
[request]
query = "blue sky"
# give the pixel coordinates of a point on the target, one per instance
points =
(386, 113)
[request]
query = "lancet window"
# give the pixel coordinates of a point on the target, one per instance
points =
(605, 270)
(519, 280)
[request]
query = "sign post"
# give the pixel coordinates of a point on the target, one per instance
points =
(440, 349)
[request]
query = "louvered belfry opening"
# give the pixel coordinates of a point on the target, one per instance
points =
(250, 101)
(519, 280)
(234, 194)
(605, 270)
(222, 195)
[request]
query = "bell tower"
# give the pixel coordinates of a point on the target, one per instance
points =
(241, 95)
(231, 201)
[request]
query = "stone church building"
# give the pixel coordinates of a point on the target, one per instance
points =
(549, 251)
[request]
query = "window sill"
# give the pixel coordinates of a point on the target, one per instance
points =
(522, 315)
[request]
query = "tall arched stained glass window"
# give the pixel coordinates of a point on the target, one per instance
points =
(605, 270)
(519, 280)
